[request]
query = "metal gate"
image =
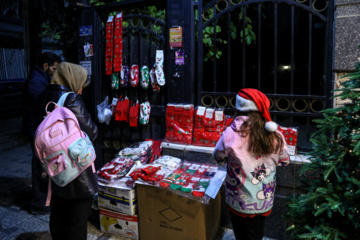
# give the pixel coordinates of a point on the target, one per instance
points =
(283, 48)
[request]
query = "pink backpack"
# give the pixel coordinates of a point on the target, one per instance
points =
(62, 148)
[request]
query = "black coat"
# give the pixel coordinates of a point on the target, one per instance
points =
(34, 85)
(85, 185)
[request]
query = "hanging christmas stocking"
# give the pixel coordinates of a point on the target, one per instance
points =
(109, 45)
(134, 75)
(159, 67)
(154, 85)
(145, 113)
(115, 81)
(145, 77)
(133, 113)
(124, 76)
(118, 42)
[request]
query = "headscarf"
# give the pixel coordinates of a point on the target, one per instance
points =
(70, 75)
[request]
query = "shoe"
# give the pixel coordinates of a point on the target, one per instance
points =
(40, 211)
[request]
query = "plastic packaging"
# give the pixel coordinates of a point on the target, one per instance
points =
(104, 112)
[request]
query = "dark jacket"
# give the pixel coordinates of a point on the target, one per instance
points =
(34, 85)
(85, 185)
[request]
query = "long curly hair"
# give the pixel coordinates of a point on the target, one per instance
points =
(261, 142)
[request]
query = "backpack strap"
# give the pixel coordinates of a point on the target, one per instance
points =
(62, 99)
(48, 198)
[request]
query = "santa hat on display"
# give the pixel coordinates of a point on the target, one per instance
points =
(249, 99)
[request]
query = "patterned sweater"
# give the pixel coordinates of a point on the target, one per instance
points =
(250, 181)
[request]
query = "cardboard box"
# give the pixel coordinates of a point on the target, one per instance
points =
(117, 199)
(165, 215)
(119, 224)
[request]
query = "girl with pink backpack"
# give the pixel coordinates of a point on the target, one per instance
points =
(70, 204)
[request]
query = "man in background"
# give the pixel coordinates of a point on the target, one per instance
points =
(37, 81)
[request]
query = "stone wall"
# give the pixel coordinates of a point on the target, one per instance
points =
(347, 37)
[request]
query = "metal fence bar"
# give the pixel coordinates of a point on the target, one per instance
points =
(310, 51)
(275, 45)
(292, 49)
(229, 52)
(200, 51)
(292, 61)
(5, 67)
(259, 46)
(215, 53)
(243, 49)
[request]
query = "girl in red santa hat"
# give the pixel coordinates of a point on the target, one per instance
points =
(252, 148)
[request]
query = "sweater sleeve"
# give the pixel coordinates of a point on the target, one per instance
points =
(284, 158)
(219, 152)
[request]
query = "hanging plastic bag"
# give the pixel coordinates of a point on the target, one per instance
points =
(104, 112)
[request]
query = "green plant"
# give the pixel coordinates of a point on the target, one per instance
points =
(212, 32)
(330, 207)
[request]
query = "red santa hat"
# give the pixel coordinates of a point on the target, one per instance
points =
(249, 99)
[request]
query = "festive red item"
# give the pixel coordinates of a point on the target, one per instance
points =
(290, 135)
(134, 113)
(118, 42)
(190, 185)
(201, 186)
(201, 170)
(181, 181)
(122, 109)
(209, 120)
(198, 137)
(166, 182)
(156, 177)
(178, 111)
(199, 116)
(135, 174)
(156, 149)
(108, 65)
(249, 99)
(169, 117)
(151, 169)
(109, 45)
(228, 120)
(144, 176)
(179, 123)
(134, 75)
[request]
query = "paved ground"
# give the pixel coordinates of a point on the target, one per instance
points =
(15, 192)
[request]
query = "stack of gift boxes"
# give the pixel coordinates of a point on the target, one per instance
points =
(118, 203)
(117, 211)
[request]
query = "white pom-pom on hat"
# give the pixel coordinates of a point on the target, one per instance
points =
(249, 99)
(271, 126)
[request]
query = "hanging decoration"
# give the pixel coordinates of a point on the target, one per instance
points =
(109, 45)
(118, 42)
